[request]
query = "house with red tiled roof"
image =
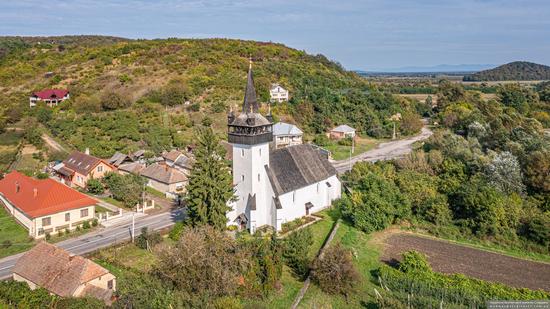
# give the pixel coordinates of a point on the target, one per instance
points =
(79, 167)
(61, 273)
(51, 97)
(44, 205)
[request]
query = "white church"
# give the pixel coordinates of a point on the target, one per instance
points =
(277, 186)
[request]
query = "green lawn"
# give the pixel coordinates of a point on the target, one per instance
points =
(366, 260)
(155, 192)
(13, 232)
(128, 255)
(111, 200)
(99, 208)
(362, 144)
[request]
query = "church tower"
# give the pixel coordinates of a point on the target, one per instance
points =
(250, 133)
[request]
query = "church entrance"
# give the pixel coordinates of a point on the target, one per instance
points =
(309, 205)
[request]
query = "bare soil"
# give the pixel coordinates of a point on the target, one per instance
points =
(449, 258)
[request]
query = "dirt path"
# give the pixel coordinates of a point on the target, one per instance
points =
(52, 143)
(384, 151)
(451, 258)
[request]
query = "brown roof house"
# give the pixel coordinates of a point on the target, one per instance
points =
(56, 270)
(79, 167)
(179, 160)
(165, 179)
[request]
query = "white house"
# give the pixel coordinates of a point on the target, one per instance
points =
(342, 131)
(278, 93)
(275, 187)
(286, 134)
(51, 97)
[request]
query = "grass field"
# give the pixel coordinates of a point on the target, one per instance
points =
(13, 232)
(362, 144)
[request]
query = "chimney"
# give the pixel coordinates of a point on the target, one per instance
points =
(17, 187)
(35, 192)
(87, 151)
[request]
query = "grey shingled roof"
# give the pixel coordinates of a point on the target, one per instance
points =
(343, 128)
(250, 116)
(163, 173)
(250, 102)
(283, 128)
(295, 167)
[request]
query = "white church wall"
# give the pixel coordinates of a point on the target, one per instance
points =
(319, 194)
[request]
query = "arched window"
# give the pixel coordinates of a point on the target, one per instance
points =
(242, 152)
(242, 177)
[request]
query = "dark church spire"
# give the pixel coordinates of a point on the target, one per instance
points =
(250, 104)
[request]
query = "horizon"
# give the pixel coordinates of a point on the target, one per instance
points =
(369, 36)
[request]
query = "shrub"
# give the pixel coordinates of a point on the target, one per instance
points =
(6, 244)
(48, 236)
(321, 140)
(334, 271)
(94, 186)
(296, 249)
(176, 231)
(414, 261)
(147, 240)
(86, 225)
(345, 141)
(95, 222)
(227, 302)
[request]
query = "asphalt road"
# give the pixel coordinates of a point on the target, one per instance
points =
(102, 238)
(384, 151)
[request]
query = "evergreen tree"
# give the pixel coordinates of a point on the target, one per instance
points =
(210, 183)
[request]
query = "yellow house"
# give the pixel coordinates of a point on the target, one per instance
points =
(44, 206)
(56, 270)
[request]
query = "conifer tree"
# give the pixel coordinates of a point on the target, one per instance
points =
(210, 183)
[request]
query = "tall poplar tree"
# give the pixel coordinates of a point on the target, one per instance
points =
(210, 183)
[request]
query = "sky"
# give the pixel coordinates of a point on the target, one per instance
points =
(359, 34)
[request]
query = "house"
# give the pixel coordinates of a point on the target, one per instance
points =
(79, 167)
(120, 158)
(342, 131)
(278, 186)
(52, 97)
(179, 160)
(286, 134)
(278, 93)
(131, 168)
(61, 273)
(165, 179)
(44, 206)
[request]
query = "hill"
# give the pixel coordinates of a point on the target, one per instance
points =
(128, 94)
(519, 70)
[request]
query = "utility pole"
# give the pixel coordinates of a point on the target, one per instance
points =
(133, 226)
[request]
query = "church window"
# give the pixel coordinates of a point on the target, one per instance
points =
(258, 177)
(242, 152)
(242, 177)
(260, 152)
(294, 196)
(317, 187)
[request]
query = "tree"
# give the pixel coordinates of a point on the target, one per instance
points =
(125, 188)
(210, 186)
(517, 96)
(112, 100)
(414, 261)
(411, 123)
(537, 166)
(33, 133)
(504, 173)
(334, 271)
(205, 261)
(374, 204)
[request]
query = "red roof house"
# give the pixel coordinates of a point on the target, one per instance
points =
(52, 97)
(44, 206)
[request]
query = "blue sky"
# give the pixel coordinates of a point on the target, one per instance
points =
(368, 34)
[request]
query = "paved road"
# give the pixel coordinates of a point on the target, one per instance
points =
(384, 151)
(102, 238)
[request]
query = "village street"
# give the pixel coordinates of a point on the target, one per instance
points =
(385, 151)
(103, 238)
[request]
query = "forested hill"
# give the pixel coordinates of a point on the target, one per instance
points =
(151, 93)
(519, 70)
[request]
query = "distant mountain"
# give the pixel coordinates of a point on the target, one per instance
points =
(519, 70)
(436, 68)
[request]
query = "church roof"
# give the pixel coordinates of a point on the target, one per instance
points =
(250, 104)
(295, 167)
